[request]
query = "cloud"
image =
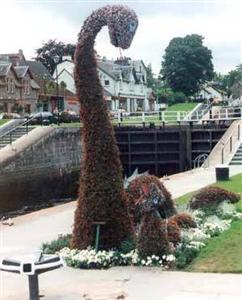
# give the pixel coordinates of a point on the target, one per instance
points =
(28, 23)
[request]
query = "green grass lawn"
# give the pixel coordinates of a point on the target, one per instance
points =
(3, 121)
(182, 106)
(223, 253)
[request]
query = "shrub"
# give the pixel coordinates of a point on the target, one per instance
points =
(152, 237)
(56, 245)
(127, 246)
(211, 197)
(135, 197)
(184, 220)
(173, 231)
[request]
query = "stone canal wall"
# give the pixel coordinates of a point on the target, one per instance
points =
(40, 167)
(44, 165)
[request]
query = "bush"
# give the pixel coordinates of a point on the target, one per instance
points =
(178, 97)
(135, 197)
(184, 255)
(184, 220)
(56, 245)
(209, 198)
(173, 231)
(152, 237)
(127, 246)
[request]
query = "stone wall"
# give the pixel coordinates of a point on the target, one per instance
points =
(46, 170)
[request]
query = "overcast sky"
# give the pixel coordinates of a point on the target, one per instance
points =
(26, 24)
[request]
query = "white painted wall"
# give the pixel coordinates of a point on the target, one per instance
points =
(117, 88)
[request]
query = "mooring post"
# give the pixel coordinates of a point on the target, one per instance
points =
(33, 287)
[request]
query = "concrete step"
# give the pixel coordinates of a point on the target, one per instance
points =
(237, 159)
(233, 163)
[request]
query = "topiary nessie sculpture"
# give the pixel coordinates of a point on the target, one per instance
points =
(101, 193)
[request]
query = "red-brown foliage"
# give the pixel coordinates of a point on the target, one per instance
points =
(152, 237)
(173, 231)
(212, 196)
(101, 193)
(183, 220)
(134, 193)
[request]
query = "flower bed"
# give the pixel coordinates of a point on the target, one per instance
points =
(191, 242)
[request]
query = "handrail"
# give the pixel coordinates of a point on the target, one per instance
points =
(16, 127)
(230, 141)
(197, 160)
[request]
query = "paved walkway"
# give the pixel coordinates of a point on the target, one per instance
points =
(29, 231)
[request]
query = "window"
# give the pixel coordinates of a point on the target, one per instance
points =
(106, 82)
(12, 86)
(8, 85)
(28, 87)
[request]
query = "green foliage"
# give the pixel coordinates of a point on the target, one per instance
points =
(150, 76)
(185, 255)
(166, 95)
(51, 49)
(187, 64)
(127, 246)
(56, 245)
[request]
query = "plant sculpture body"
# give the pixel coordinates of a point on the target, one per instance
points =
(101, 194)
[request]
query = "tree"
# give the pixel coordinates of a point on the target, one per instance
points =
(187, 64)
(232, 80)
(150, 77)
(51, 50)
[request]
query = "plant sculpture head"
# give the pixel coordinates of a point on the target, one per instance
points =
(122, 24)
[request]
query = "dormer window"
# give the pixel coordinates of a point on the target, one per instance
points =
(106, 82)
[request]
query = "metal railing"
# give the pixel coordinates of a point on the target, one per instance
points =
(228, 113)
(155, 117)
(172, 117)
(201, 160)
(228, 145)
(10, 133)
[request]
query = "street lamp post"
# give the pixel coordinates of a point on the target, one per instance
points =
(56, 60)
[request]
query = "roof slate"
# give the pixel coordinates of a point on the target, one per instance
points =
(37, 69)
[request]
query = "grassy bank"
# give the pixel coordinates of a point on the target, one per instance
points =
(223, 253)
(3, 121)
(182, 107)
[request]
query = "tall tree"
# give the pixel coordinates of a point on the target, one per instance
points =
(52, 52)
(187, 64)
(150, 76)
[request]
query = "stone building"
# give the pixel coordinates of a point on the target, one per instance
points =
(19, 91)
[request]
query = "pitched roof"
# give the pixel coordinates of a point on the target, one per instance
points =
(21, 71)
(4, 67)
(37, 69)
(34, 85)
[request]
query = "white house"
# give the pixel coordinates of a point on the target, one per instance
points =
(124, 82)
(209, 92)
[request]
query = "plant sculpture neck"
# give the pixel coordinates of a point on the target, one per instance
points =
(101, 193)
